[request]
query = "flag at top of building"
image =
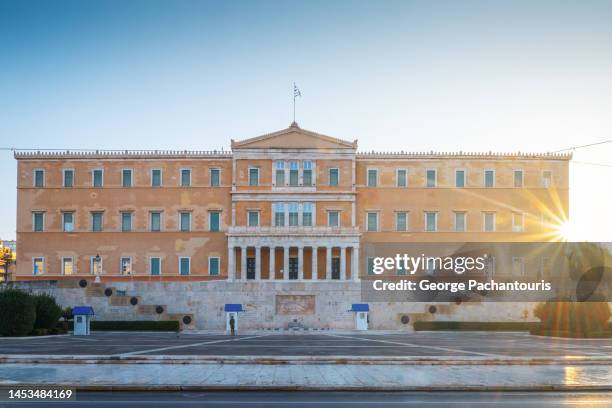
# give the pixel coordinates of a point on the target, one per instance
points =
(296, 91)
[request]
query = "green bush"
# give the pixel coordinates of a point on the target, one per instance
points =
(48, 312)
(67, 313)
(17, 312)
(133, 325)
(473, 326)
(577, 318)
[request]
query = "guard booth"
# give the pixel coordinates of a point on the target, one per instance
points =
(232, 310)
(361, 315)
(82, 320)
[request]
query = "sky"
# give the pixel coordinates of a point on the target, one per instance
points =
(396, 75)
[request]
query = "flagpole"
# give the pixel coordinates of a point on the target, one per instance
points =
(294, 102)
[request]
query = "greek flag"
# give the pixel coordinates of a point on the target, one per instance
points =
(296, 91)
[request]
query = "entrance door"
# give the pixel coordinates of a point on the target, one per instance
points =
(335, 268)
(228, 316)
(361, 320)
(293, 268)
(250, 268)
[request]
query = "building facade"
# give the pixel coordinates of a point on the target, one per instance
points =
(286, 212)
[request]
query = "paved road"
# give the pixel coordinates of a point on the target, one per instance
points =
(421, 344)
(335, 399)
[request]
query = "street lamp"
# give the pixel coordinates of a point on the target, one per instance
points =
(97, 268)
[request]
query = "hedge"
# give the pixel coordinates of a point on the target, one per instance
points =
(17, 312)
(579, 318)
(474, 326)
(134, 325)
(48, 312)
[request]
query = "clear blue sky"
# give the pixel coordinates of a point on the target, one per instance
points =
(412, 75)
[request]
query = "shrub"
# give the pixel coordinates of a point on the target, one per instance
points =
(48, 312)
(578, 318)
(67, 313)
(473, 326)
(17, 312)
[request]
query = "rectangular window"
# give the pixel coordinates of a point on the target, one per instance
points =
(126, 177)
(372, 177)
(185, 221)
(401, 221)
(488, 222)
(370, 262)
(280, 173)
(67, 265)
(126, 266)
(489, 178)
(333, 218)
(156, 178)
(68, 177)
(215, 177)
(39, 178)
(518, 266)
(155, 221)
(459, 178)
(459, 222)
(68, 221)
(431, 177)
(96, 221)
(253, 218)
(307, 175)
(334, 177)
(293, 214)
(402, 178)
(38, 221)
(518, 178)
(184, 265)
(431, 221)
(126, 221)
(293, 173)
(213, 265)
(96, 265)
(517, 222)
(97, 176)
(214, 221)
(38, 266)
(279, 214)
(372, 221)
(307, 214)
(253, 176)
(155, 266)
(546, 178)
(185, 177)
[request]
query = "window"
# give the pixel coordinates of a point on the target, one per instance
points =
(459, 178)
(489, 178)
(96, 221)
(126, 266)
(215, 177)
(517, 222)
(39, 178)
(214, 221)
(68, 221)
(126, 177)
(156, 177)
(126, 221)
(38, 266)
(459, 221)
(431, 177)
(68, 177)
(155, 221)
(185, 221)
(401, 221)
(307, 214)
(431, 221)
(155, 266)
(489, 222)
(253, 218)
(518, 266)
(430, 267)
(333, 218)
(97, 178)
(518, 178)
(185, 177)
(293, 173)
(67, 265)
(402, 178)
(279, 214)
(372, 221)
(546, 178)
(370, 262)
(334, 176)
(96, 265)
(213, 265)
(293, 214)
(253, 176)
(280, 173)
(38, 221)
(184, 265)
(307, 176)
(372, 177)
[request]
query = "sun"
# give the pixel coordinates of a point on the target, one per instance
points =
(567, 231)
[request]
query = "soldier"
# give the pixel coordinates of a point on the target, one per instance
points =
(232, 323)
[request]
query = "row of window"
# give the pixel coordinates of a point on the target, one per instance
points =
(68, 265)
(431, 221)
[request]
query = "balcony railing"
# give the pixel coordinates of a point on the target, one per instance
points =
(294, 230)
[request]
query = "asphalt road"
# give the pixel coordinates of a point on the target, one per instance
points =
(331, 399)
(420, 344)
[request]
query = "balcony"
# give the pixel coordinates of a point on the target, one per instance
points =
(322, 231)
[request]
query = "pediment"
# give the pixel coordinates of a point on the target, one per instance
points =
(293, 137)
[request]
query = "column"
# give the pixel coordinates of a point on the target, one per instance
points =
(328, 271)
(355, 264)
(342, 263)
(243, 258)
(286, 263)
(272, 262)
(301, 263)
(258, 263)
(231, 264)
(315, 267)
